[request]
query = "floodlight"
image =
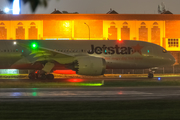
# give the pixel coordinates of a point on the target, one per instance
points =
(6, 10)
(16, 7)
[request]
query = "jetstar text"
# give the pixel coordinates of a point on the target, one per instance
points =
(110, 50)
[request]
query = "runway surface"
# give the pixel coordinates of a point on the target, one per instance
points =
(85, 91)
(89, 94)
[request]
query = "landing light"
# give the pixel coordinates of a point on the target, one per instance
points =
(14, 43)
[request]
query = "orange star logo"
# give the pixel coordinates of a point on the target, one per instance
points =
(137, 48)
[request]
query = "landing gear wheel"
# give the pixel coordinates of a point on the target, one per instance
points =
(36, 76)
(42, 77)
(150, 75)
(50, 77)
(32, 76)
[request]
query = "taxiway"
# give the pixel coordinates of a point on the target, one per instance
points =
(87, 93)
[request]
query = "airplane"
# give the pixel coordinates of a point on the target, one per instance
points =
(85, 57)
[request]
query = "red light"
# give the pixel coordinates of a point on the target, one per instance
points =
(64, 72)
(120, 93)
(75, 80)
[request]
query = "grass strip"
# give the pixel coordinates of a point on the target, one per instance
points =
(91, 110)
(103, 83)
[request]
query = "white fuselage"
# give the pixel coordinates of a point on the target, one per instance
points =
(124, 54)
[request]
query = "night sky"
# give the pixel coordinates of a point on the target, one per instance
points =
(102, 6)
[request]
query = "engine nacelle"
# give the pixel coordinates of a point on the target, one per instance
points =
(90, 66)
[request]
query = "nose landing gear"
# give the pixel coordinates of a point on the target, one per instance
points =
(151, 72)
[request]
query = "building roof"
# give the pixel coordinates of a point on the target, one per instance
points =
(112, 12)
(90, 17)
(167, 12)
(56, 12)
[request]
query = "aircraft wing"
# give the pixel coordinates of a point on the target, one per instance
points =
(44, 54)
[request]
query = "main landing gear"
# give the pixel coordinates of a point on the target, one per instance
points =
(41, 75)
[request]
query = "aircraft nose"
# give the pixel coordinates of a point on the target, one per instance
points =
(172, 59)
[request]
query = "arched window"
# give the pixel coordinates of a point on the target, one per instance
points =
(20, 31)
(155, 24)
(33, 31)
(125, 32)
(3, 31)
(2, 23)
(20, 23)
(32, 24)
(155, 34)
(143, 24)
(143, 32)
(112, 31)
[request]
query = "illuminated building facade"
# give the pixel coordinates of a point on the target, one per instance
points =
(161, 29)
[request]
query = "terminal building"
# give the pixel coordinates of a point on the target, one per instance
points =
(161, 29)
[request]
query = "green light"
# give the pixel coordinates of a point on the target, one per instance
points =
(148, 51)
(34, 94)
(82, 84)
(90, 84)
(34, 46)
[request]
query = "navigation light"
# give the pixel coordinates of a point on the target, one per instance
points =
(34, 46)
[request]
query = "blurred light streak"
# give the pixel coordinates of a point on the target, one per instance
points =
(16, 7)
(64, 72)
(75, 80)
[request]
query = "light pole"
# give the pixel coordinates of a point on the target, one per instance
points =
(16, 8)
(88, 28)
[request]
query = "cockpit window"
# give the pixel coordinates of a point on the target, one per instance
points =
(164, 51)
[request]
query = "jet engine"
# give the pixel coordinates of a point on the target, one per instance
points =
(91, 66)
